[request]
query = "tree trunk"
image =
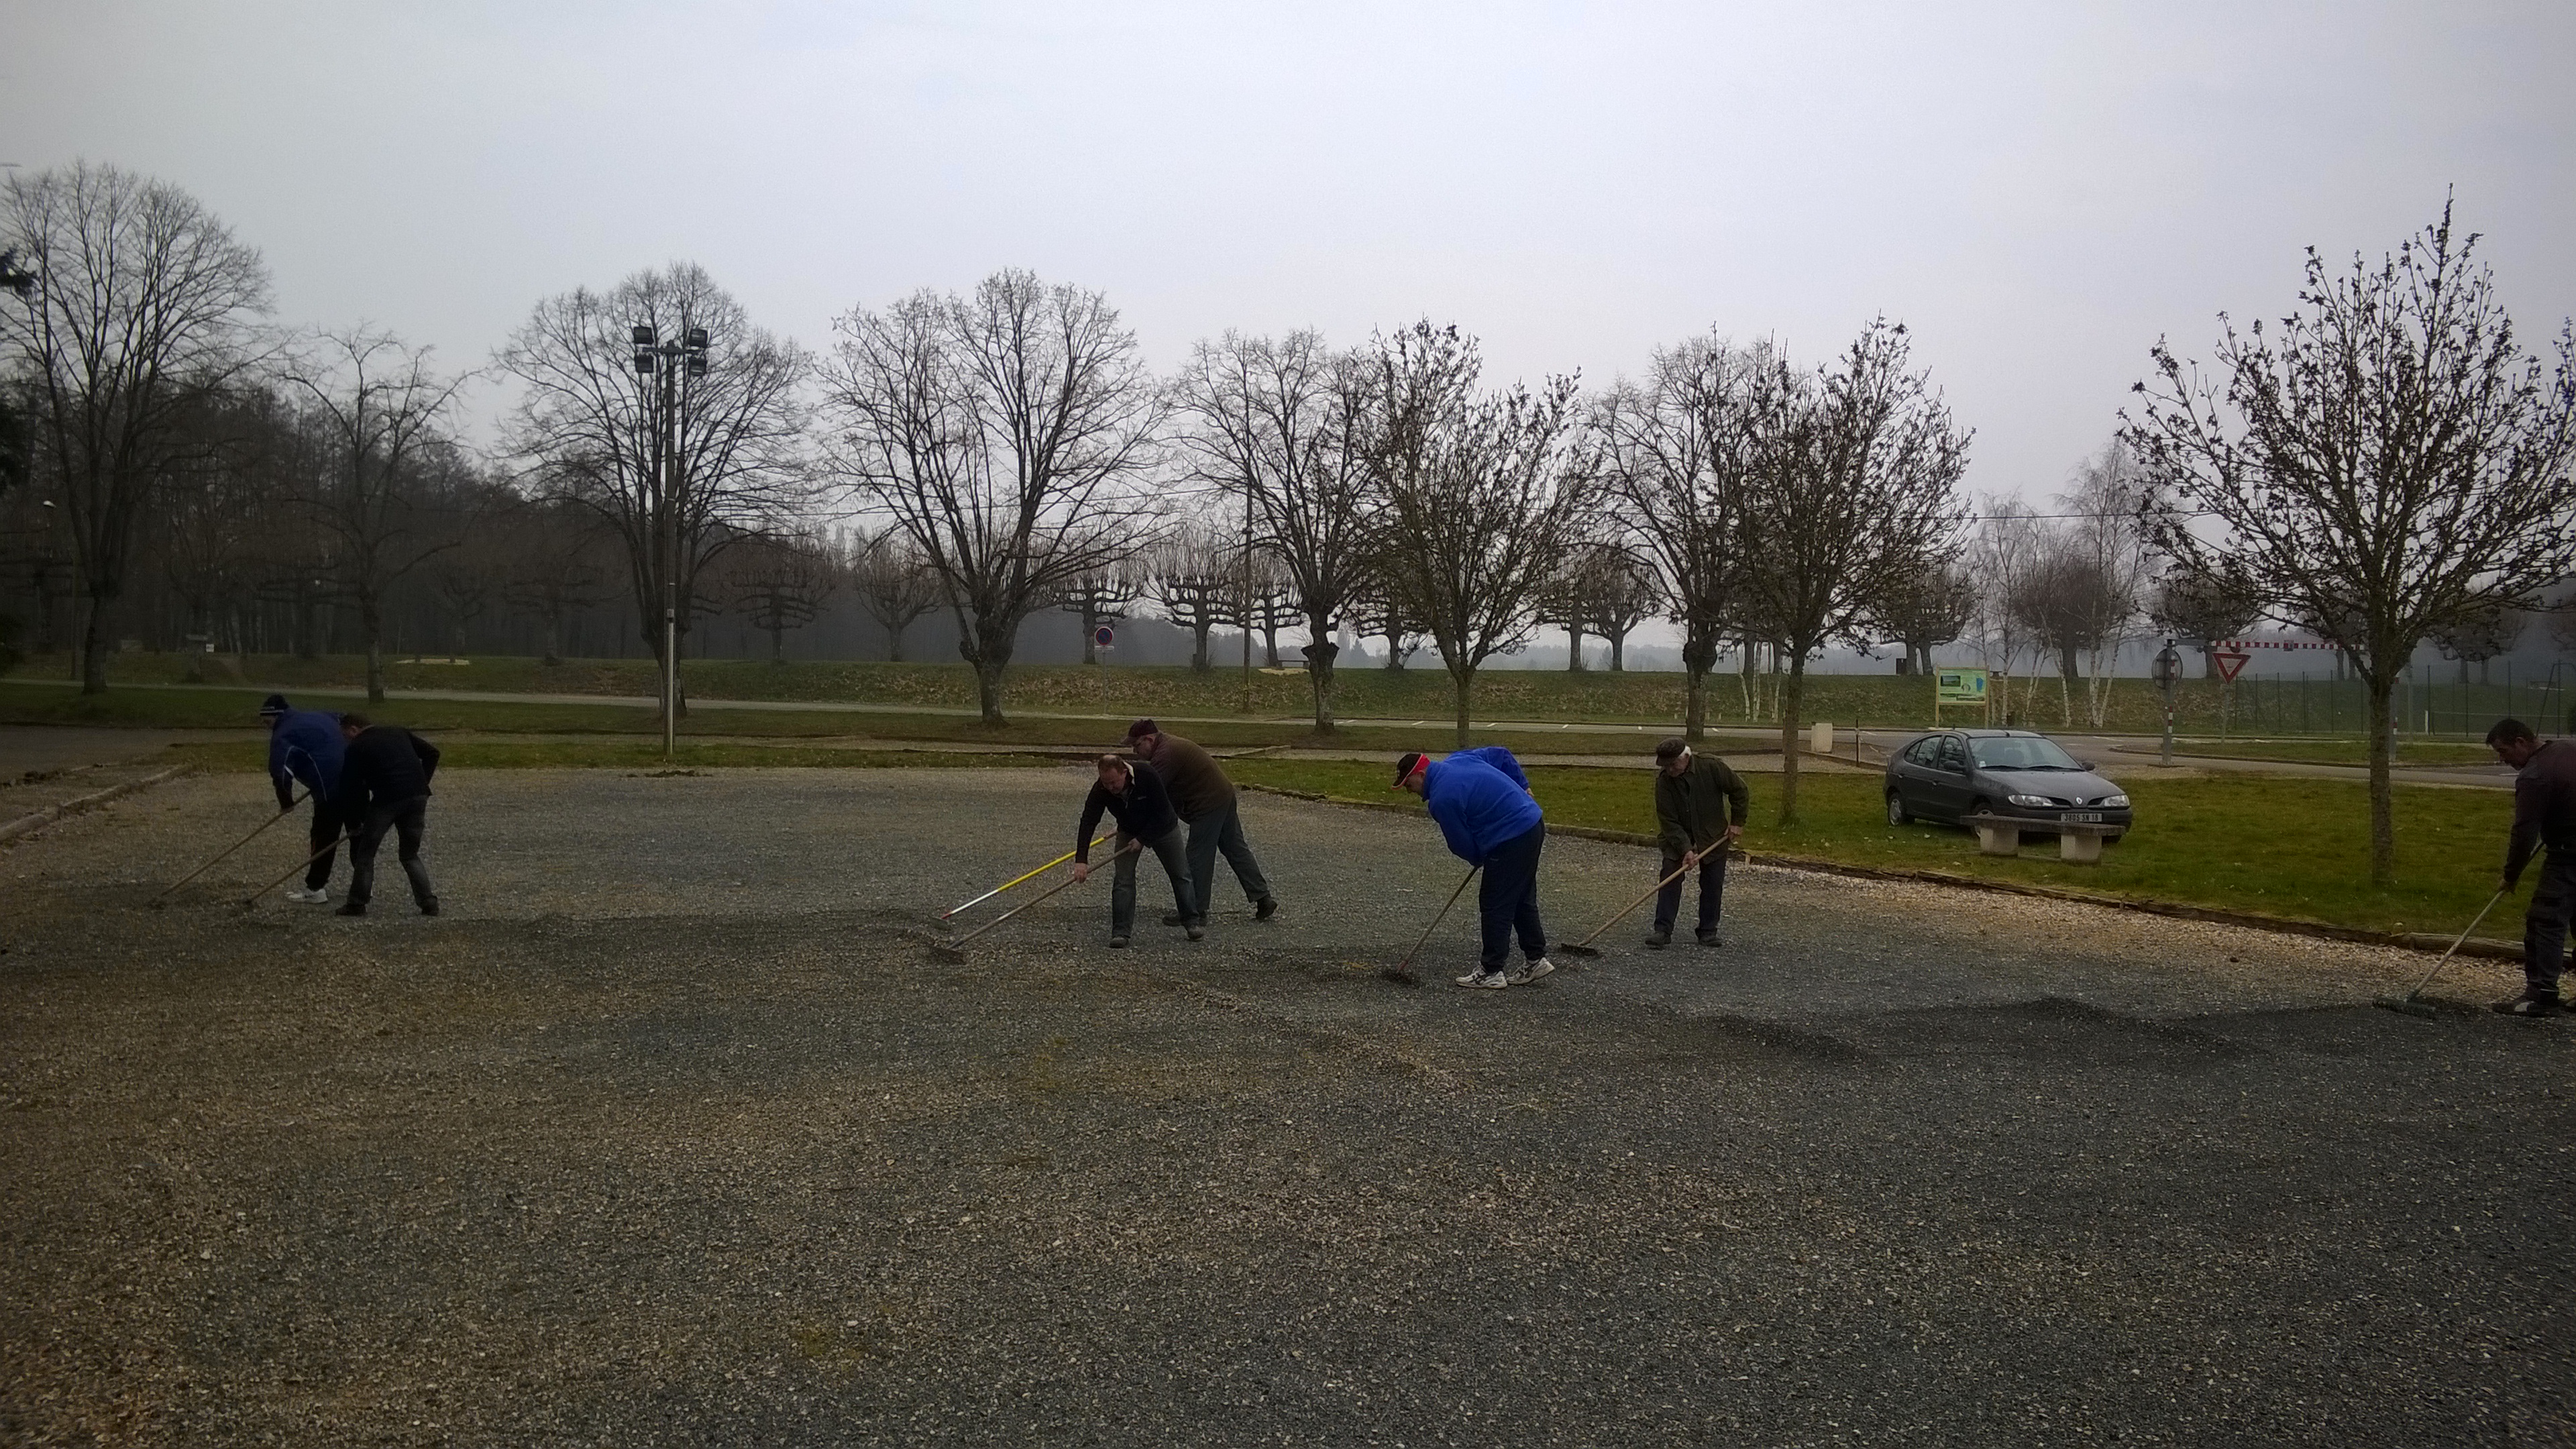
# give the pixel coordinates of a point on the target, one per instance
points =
(778, 646)
(894, 644)
(554, 637)
(94, 642)
(2383, 829)
(1270, 644)
(1793, 699)
(988, 690)
(1699, 656)
(371, 618)
(1573, 648)
(1319, 670)
(1465, 682)
(1199, 649)
(1619, 653)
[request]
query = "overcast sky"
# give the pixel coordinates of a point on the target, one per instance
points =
(2038, 191)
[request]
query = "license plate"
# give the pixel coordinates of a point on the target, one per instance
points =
(2084, 817)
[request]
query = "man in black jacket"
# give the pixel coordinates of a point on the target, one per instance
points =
(384, 785)
(1130, 790)
(2544, 814)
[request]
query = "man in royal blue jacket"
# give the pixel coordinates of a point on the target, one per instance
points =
(304, 747)
(1482, 803)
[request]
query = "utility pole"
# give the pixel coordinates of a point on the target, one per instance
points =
(671, 365)
(1245, 612)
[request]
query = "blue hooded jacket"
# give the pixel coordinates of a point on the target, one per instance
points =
(1481, 800)
(306, 746)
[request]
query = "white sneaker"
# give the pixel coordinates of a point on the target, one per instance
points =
(309, 897)
(1483, 980)
(1531, 971)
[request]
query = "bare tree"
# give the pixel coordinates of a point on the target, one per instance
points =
(375, 408)
(780, 582)
(2204, 609)
(1857, 483)
(2479, 637)
(895, 584)
(999, 431)
(2103, 536)
(1679, 449)
(1274, 604)
(1376, 614)
(555, 566)
(1280, 422)
(2004, 556)
(1478, 492)
(1102, 596)
(735, 445)
(1932, 604)
(139, 304)
(1192, 579)
(2390, 452)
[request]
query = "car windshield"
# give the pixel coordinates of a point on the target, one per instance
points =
(2022, 752)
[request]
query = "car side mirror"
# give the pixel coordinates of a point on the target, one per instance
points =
(2088, 764)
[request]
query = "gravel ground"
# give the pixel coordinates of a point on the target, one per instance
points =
(673, 1130)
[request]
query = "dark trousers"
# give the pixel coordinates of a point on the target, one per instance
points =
(406, 819)
(322, 842)
(1508, 898)
(2544, 922)
(1122, 879)
(1221, 831)
(1712, 889)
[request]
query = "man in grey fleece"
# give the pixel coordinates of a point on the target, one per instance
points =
(2544, 813)
(1206, 801)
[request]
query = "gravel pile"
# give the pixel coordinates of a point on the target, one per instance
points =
(674, 1131)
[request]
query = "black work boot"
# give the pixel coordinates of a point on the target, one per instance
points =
(2529, 1003)
(1660, 937)
(1265, 908)
(353, 908)
(1708, 936)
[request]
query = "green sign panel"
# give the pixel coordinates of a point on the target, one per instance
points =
(1959, 686)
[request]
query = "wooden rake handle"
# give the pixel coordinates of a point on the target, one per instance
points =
(229, 849)
(1639, 901)
(1133, 845)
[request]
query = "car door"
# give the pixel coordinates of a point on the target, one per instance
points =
(1945, 779)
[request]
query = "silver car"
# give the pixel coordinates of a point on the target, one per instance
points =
(1957, 773)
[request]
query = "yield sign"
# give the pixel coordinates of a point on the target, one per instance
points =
(2229, 662)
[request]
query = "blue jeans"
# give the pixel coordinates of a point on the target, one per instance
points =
(1508, 898)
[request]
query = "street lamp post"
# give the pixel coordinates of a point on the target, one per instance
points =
(673, 365)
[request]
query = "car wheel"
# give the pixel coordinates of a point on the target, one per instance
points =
(2113, 839)
(1981, 806)
(1896, 809)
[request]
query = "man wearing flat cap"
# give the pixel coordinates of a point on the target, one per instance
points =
(1700, 805)
(1207, 804)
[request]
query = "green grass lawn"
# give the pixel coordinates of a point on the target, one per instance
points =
(2284, 847)
(1884, 700)
(2337, 751)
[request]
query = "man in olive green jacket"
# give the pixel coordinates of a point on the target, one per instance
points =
(1206, 800)
(1700, 806)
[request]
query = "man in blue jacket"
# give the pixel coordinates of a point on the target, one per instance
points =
(304, 747)
(1482, 803)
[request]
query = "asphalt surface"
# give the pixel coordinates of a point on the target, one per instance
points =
(674, 1130)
